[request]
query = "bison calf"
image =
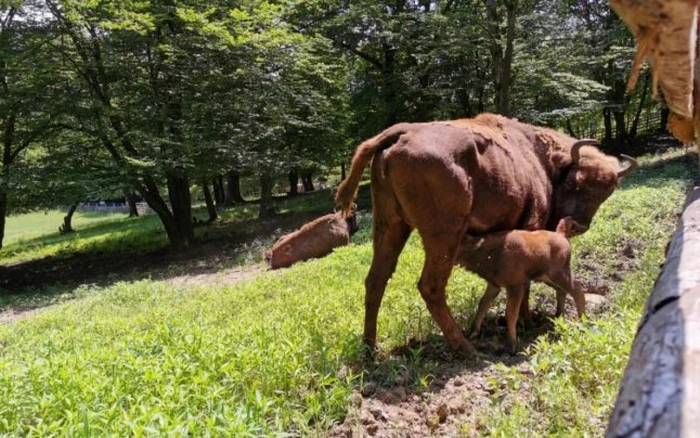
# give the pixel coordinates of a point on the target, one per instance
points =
(514, 258)
(314, 239)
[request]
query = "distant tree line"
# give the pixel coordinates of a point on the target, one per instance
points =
(151, 100)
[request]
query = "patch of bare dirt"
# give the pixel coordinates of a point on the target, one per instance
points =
(223, 277)
(452, 405)
(395, 402)
(9, 316)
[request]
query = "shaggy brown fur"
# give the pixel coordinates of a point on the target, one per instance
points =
(314, 239)
(511, 259)
(482, 175)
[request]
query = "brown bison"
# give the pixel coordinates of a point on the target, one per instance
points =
(314, 239)
(480, 176)
(511, 259)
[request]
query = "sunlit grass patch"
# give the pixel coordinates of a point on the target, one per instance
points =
(282, 352)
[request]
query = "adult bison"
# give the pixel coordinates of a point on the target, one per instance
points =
(478, 175)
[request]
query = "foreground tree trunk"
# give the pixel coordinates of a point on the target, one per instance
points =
(67, 226)
(660, 392)
(233, 192)
(211, 208)
(293, 182)
(267, 208)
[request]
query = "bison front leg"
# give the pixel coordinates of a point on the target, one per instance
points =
(432, 283)
(388, 243)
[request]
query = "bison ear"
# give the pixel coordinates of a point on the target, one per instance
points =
(632, 164)
(576, 148)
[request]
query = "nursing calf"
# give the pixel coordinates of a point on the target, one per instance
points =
(475, 176)
(512, 259)
(315, 239)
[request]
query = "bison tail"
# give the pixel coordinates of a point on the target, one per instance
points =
(347, 190)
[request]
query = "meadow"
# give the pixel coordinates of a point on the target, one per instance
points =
(280, 352)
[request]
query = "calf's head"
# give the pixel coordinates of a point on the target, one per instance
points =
(589, 179)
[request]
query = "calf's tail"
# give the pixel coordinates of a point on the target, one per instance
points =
(347, 190)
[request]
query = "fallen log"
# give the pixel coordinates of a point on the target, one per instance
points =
(660, 391)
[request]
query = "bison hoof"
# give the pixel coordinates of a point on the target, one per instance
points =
(465, 347)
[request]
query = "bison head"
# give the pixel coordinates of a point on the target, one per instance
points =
(589, 179)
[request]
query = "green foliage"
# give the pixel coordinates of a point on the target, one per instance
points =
(282, 352)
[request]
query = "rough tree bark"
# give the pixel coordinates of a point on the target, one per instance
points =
(660, 391)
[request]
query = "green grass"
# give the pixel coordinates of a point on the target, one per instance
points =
(35, 235)
(31, 226)
(282, 351)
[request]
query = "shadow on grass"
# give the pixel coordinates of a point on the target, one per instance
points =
(136, 249)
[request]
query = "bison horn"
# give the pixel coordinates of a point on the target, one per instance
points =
(632, 164)
(575, 155)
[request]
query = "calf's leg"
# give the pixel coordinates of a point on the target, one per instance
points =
(563, 282)
(484, 304)
(513, 301)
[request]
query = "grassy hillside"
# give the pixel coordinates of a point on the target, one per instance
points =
(282, 352)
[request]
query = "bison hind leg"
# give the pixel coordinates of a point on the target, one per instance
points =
(389, 240)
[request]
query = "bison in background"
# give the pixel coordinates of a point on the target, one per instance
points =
(480, 175)
(511, 259)
(314, 239)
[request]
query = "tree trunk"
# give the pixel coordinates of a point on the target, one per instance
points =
(67, 226)
(307, 181)
(217, 192)
(3, 215)
(502, 60)
(570, 128)
(638, 114)
(607, 123)
(665, 112)
(660, 391)
(219, 184)
(233, 192)
(181, 204)
(391, 91)
(293, 182)
(267, 208)
(211, 208)
(131, 202)
(342, 171)
(620, 131)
